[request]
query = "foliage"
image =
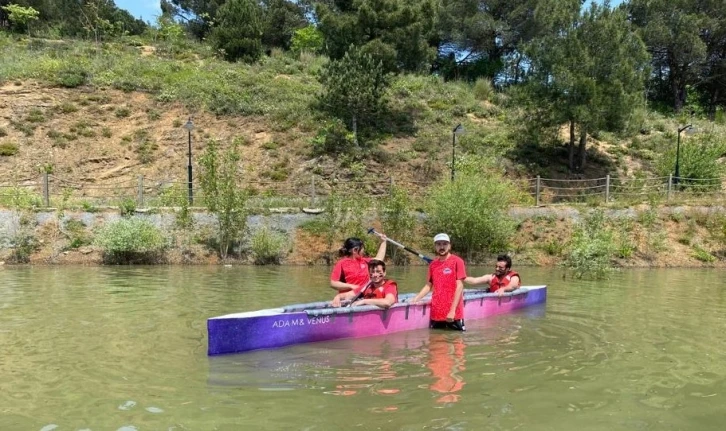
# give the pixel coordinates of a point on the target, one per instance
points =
(238, 33)
(703, 255)
(223, 196)
(75, 231)
(268, 246)
(395, 33)
(699, 166)
(591, 247)
(397, 217)
(19, 198)
(591, 73)
(333, 138)
(342, 217)
(8, 149)
(127, 207)
(131, 240)
(20, 17)
(354, 88)
(307, 39)
(472, 210)
(282, 19)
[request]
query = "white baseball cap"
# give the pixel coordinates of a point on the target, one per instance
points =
(442, 237)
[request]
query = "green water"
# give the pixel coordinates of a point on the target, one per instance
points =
(125, 349)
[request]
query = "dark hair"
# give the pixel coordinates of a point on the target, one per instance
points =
(505, 258)
(349, 245)
(373, 263)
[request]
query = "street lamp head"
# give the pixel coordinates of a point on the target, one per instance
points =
(459, 129)
(189, 125)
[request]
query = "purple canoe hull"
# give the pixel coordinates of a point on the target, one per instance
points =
(305, 323)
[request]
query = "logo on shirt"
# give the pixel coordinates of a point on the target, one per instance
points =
(447, 271)
(362, 265)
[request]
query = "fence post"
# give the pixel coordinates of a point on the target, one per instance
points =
(140, 197)
(607, 188)
(46, 190)
(537, 188)
(312, 191)
(670, 184)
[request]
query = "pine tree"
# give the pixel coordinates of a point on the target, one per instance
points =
(354, 88)
(238, 34)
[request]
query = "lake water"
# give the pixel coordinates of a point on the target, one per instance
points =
(124, 348)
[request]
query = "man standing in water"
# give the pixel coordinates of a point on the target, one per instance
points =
(446, 277)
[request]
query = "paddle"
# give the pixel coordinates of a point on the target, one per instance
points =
(399, 245)
(360, 295)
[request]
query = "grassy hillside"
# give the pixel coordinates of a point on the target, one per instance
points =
(107, 113)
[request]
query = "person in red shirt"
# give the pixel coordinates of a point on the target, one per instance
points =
(351, 271)
(502, 280)
(446, 277)
(379, 291)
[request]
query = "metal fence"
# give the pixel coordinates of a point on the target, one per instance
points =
(49, 191)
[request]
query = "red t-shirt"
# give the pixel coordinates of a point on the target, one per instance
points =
(351, 270)
(389, 286)
(496, 283)
(443, 276)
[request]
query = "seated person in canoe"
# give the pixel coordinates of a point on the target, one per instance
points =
(379, 291)
(351, 271)
(502, 280)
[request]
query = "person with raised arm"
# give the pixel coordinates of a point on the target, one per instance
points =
(446, 278)
(380, 291)
(502, 280)
(351, 271)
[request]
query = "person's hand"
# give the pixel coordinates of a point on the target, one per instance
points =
(383, 237)
(359, 303)
(501, 292)
(335, 302)
(450, 316)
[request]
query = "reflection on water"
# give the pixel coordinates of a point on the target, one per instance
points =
(125, 348)
(446, 361)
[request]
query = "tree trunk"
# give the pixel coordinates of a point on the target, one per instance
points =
(571, 147)
(355, 131)
(712, 105)
(582, 150)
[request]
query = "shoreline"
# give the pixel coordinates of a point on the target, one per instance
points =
(658, 237)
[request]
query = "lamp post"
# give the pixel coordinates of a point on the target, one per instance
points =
(189, 126)
(458, 130)
(677, 176)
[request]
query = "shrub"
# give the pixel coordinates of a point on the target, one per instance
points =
(3, 132)
(268, 246)
(122, 112)
(127, 207)
(472, 210)
(483, 89)
(703, 255)
(397, 215)
(131, 240)
(592, 247)
(222, 194)
(71, 77)
(76, 232)
(8, 149)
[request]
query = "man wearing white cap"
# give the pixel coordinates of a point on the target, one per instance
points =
(446, 277)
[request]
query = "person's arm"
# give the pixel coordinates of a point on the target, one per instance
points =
(383, 303)
(511, 286)
(381, 255)
(457, 297)
(345, 296)
(342, 287)
(426, 289)
(484, 279)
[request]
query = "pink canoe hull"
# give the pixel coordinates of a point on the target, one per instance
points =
(278, 327)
